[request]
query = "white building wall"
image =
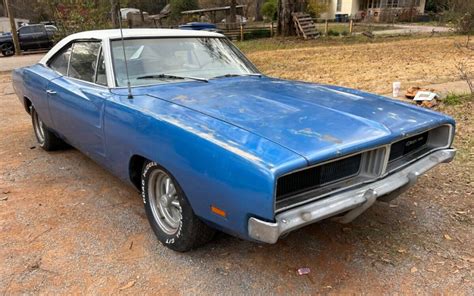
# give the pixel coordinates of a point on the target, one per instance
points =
(349, 7)
(5, 24)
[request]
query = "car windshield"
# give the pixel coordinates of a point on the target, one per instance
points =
(161, 60)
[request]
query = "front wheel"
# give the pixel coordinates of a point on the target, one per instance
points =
(169, 213)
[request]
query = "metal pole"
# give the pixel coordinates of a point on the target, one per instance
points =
(16, 42)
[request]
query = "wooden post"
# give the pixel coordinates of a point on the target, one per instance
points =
(351, 26)
(16, 41)
(326, 28)
(271, 29)
(241, 32)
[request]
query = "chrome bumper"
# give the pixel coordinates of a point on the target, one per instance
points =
(354, 202)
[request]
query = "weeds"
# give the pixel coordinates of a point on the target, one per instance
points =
(453, 99)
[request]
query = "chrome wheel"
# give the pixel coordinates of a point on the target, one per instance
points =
(39, 128)
(164, 202)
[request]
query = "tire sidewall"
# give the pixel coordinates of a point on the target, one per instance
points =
(34, 118)
(179, 240)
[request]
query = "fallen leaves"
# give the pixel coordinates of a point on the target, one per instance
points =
(447, 237)
(331, 64)
(128, 285)
(413, 269)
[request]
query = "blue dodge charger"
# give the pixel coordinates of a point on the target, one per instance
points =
(213, 144)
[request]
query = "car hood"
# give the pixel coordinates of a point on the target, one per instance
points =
(316, 121)
(5, 37)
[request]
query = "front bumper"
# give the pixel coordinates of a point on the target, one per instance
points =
(354, 201)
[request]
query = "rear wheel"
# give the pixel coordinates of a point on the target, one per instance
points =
(8, 49)
(46, 139)
(169, 213)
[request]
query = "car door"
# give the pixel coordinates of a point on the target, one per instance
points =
(41, 36)
(26, 37)
(77, 100)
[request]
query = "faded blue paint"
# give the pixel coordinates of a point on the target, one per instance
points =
(225, 141)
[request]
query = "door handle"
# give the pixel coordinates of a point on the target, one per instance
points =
(50, 92)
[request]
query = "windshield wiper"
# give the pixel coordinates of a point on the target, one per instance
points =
(170, 76)
(238, 75)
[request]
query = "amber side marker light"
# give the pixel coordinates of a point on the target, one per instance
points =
(218, 211)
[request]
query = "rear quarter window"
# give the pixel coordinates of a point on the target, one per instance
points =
(84, 60)
(60, 61)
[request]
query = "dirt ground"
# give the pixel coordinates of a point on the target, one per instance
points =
(68, 226)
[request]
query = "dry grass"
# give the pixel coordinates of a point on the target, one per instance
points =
(368, 66)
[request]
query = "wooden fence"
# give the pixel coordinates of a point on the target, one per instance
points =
(247, 31)
(239, 31)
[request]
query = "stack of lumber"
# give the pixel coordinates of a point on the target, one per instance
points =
(304, 25)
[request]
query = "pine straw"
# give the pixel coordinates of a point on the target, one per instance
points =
(370, 66)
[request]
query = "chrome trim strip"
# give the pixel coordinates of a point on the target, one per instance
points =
(355, 201)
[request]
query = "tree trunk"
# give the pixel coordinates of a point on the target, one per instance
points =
(258, 12)
(233, 12)
(16, 42)
(4, 6)
(285, 20)
(114, 13)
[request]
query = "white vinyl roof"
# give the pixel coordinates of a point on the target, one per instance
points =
(106, 35)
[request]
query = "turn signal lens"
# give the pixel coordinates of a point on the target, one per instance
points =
(218, 211)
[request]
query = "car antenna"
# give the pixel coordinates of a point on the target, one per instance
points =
(130, 96)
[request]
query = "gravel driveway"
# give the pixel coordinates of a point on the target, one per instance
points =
(7, 64)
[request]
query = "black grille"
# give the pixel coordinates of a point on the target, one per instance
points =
(316, 176)
(408, 145)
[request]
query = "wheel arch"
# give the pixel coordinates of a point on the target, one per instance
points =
(27, 104)
(135, 167)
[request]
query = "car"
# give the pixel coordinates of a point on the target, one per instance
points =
(30, 37)
(200, 26)
(213, 144)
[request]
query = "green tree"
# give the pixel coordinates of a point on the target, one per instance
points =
(317, 7)
(76, 16)
(181, 5)
(269, 9)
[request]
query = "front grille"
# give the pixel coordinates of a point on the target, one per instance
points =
(405, 146)
(320, 181)
(317, 176)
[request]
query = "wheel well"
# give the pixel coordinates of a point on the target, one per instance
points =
(6, 43)
(27, 104)
(135, 169)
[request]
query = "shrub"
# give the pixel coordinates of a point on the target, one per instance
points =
(333, 33)
(269, 9)
(261, 33)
